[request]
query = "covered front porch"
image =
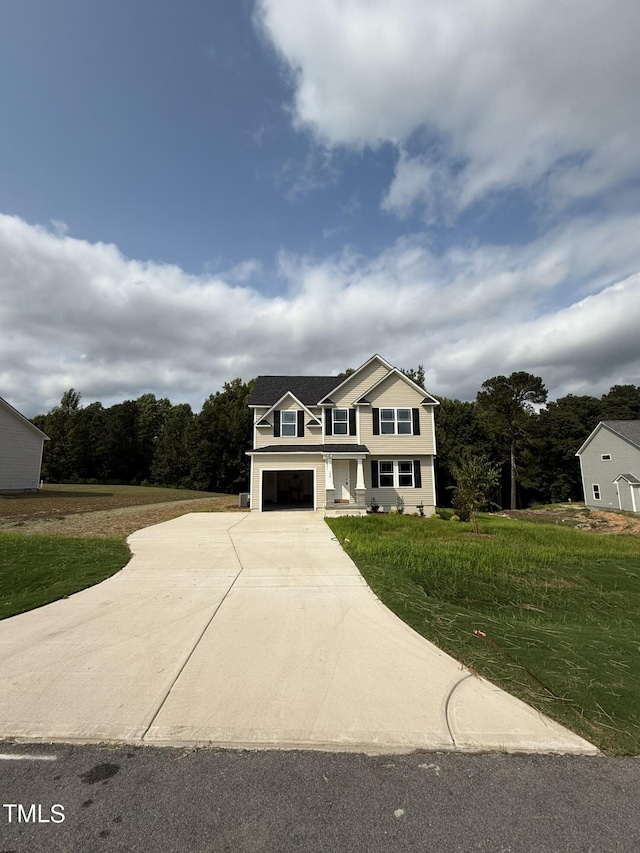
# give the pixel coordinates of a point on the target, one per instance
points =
(345, 489)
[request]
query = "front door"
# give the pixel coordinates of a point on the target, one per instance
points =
(341, 480)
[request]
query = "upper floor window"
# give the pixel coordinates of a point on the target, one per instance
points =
(395, 421)
(289, 423)
(340, 422)
(606, 457)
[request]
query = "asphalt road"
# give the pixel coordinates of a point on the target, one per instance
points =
(139, 799)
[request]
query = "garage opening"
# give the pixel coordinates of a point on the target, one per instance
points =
(287, 490)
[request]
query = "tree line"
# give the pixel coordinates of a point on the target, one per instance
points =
(150, 441)
(533, 442)
(530, 441)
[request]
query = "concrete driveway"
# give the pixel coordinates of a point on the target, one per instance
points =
(252, 630)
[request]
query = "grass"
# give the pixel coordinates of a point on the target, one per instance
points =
(36, 570)
(560, 609)
(67, 537)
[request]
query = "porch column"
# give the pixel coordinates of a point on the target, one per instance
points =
(329, 472)
(360, 487)
(330, 493)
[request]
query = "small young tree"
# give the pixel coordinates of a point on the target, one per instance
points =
(475, 477)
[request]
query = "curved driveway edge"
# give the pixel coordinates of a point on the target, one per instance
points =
(252, 630)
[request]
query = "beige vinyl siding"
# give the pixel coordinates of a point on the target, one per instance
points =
(387, 497)
(341, 439)
(395, 393)
(265, 437)
(387, 445)
(286, 462)
(362, 381)
(20, 454)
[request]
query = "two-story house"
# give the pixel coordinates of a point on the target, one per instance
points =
(343, 444)
(610, 466)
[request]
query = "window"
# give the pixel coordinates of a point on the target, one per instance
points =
(606, 457)
(395, 422)
(596, 492)
(340, 422)
(405, 474)
(289, 423)
(386, 474)
(396, 474)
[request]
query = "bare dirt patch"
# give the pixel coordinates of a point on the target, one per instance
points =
(593, 521)
(102, 510)
(55, 500)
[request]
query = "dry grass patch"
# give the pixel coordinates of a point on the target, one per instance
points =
(103, 511)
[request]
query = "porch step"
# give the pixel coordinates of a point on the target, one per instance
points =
(339, 512)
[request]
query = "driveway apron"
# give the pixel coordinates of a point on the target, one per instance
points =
(248, 630)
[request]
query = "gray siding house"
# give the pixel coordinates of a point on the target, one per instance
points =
(610, 466)
(21, 446)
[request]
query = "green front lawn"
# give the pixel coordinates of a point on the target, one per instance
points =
(560, 609)
(35, 570)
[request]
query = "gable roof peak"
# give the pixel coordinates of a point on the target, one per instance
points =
(628, 430)
(344, 380)
(395, 371)
(22, 418)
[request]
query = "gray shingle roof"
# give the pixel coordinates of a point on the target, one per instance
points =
(308, 389)
(313, 448)
(627, 429)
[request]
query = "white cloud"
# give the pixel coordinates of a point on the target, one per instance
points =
(511, 92)
(417, 181)
(244, 271)
(75, 314)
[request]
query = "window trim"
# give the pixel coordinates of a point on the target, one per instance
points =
(344, 422)
(395, 473)
(597, 494)
(293, 423)
(391, 473)
(396, 420)
(409, 473)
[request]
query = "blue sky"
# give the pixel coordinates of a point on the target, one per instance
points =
(164, 128)
(193, 191)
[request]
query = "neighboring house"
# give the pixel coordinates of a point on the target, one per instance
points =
(610, 465)
(21, 446)
(341, 444)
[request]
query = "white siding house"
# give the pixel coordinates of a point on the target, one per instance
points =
(21, 446)
(610, 465)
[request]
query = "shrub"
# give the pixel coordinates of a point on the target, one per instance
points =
(475, 477)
